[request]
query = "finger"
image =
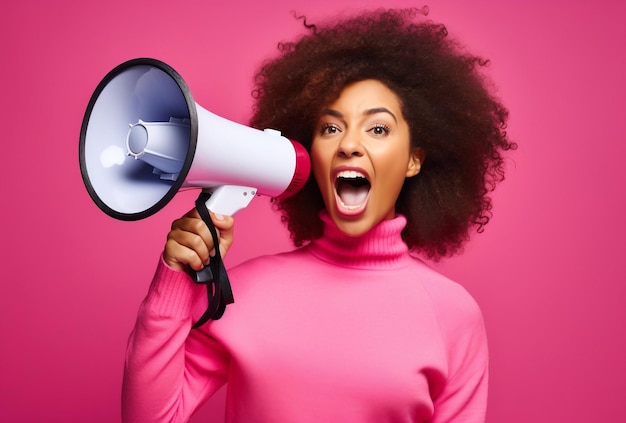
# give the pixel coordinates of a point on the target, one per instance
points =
(200, 244)
(225, 227)
(195, 226)
(179, 256)
(193, 213)
(222, 224)
(190, 241)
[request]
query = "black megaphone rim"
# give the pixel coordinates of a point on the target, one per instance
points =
(193, 117)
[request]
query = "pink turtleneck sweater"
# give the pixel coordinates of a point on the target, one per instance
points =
(342, 330)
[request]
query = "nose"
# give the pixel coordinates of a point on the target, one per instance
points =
(350, 145)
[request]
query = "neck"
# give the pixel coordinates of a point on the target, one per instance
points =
(380, 248)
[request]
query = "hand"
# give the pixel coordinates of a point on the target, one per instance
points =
(189, 242)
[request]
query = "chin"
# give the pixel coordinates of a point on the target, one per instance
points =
(354, 227)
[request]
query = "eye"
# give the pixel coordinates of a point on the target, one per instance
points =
(329, 129)
(379, 129)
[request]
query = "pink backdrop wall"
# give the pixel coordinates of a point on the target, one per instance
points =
(548, 272)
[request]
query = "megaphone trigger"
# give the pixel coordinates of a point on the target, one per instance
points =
(229, 199)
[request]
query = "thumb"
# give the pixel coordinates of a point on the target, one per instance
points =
(225, 226)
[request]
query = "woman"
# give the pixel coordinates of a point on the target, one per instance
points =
(406, 142)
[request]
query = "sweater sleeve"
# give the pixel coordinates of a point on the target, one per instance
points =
(463, 398)
(170, 369)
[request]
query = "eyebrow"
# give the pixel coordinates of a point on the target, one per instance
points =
(368, 112)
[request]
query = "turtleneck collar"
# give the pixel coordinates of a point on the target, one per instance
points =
(380, 248)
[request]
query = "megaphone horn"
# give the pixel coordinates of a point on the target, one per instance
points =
(143, 138)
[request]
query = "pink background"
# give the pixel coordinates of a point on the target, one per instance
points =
(548, 272)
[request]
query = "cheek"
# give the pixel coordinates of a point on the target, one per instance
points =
(394, 167)
(319, 162)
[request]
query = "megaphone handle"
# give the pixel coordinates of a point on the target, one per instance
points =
(219, 291)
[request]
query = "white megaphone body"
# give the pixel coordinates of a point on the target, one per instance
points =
(143, 138)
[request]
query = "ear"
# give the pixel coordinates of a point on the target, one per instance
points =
(415, 162)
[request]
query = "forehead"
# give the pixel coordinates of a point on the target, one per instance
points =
(365, 95)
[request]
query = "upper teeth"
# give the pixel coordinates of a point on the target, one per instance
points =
(350, 174)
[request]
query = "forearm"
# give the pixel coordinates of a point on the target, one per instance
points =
(169, 369)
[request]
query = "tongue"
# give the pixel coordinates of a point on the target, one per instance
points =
(351, 195)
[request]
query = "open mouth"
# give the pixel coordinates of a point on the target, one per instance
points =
(352, 190)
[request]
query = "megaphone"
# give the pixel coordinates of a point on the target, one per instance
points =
(143, 139)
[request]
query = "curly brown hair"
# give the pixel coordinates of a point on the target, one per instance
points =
(454, 118)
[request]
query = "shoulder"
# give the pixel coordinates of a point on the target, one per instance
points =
(460, 322)
(455, 307)
(273, 261)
